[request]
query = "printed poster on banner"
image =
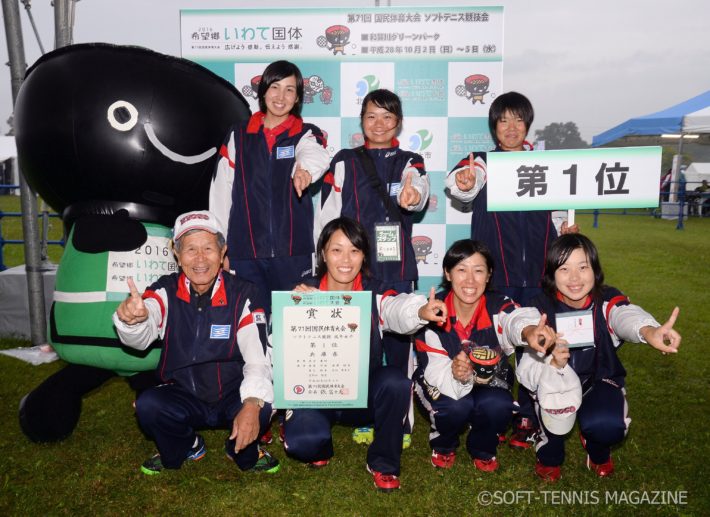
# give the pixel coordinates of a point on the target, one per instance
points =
(444, 62)
(614, 177)
(145, 264)
(321, 348)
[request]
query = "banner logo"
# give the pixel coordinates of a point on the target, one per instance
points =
(335, 39)
(474, 87)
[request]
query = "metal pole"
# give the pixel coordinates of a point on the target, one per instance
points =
(62, 23)
(28, 199)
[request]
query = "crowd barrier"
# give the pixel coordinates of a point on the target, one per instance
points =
(44, 217)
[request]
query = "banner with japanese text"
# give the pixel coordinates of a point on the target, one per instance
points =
(445, 63)
(576, 179)
(321, 348)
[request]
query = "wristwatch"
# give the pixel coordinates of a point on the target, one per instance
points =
(254, 400)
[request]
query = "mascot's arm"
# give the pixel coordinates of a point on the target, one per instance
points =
(141, 335)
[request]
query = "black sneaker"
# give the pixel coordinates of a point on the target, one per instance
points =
(154, 465)
(266, 462)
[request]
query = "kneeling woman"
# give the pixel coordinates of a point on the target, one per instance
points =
(463, 378)
(573, 285)
(343, 253)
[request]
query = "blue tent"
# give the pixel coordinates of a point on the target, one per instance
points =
(691, 116)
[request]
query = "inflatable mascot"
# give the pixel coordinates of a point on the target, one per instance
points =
(119, 140)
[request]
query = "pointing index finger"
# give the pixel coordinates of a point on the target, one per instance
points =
(132, 288)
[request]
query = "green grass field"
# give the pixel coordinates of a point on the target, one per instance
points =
(665, 456)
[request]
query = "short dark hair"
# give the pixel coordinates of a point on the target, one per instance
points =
(517, 103)
(356, 234)
(559, 252)
(277, 71)
(461, 250)
(384, 99)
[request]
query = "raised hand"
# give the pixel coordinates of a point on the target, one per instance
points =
(539, 337)
(466, 178)
(301, 179)
(132, 310)
(657, 337)
(434, 310)
(409, 195)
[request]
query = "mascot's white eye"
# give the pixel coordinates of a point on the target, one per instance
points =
(122, 115)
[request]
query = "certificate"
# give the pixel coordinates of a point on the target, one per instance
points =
(321, 348)
(577, 327)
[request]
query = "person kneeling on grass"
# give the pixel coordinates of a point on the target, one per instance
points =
(573, 286)
(215, 362)
(463, 379)
(343, 265)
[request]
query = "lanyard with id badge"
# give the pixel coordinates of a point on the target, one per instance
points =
(577, 328)
(388, 233)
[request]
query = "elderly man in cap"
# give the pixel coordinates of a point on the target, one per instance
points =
(215, 362)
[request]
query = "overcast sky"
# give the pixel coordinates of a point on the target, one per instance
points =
(596, 63)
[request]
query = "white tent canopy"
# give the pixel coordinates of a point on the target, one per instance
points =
(697, 172)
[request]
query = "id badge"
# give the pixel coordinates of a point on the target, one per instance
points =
(577, 327)
(387, 242)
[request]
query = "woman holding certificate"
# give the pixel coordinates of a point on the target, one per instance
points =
(593, 321)
(343, 265)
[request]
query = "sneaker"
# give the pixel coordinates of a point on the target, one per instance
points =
(266, 438)
(317, 464)
(443, 460)
(603, 469)
(550, 474)
(366, 435)
(490, 465)
(154, 465)
(266, 463)
(384, 482)
(524, 434)
(363, 435)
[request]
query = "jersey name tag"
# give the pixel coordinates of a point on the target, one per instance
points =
(577, 327)
(285, 152)
(388, 242)
(220, 331)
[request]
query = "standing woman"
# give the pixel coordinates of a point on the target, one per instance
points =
(380, 186)
(343, 265)
(574, 287)
(260, 188)
(463, 379)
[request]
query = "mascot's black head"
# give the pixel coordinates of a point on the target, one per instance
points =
(101, 128)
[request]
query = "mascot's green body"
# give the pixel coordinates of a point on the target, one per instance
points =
(89, 287)
(120, 141)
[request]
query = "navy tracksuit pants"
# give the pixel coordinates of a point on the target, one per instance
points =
(487, 410)
(170, 415)
(603, 422)
(308, 431)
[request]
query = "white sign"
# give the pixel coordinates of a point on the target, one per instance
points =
(623, 177)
